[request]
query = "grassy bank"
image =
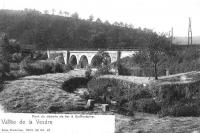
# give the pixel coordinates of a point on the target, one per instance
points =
(40, 94)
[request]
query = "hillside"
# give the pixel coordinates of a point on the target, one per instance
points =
(31, 27)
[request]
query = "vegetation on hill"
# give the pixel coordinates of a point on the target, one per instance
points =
(174, 59)
(31, 27)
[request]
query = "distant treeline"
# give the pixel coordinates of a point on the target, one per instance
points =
(31, 27)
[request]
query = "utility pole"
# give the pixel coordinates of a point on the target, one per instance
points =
(171, 36)
(189, 33)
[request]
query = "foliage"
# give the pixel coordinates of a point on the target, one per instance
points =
(175, 60)
(154, 54)
(181, 109)
(178, 99)
(13, 75)
(125, 93)
(166, 97)
(73, 83)
(147, 105)
(88, 72)
(53, 31)
(101, 59)
(54, 55)
(42, 67)
(122, 70)
(39, 55)
(4, 54)
(103, 71)
(14, 66)
(17, 57)
(68, 67)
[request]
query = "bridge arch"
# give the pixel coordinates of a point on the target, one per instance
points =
(100, 58)
(73, 61)
(96, 61)
(83, 62)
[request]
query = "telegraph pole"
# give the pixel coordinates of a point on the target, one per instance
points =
(172, 36)
(189, 33)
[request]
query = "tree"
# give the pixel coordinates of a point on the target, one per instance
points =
(91, 18)
(98, 20)
(156, 50)
(4, 54)
(60, 12)
(46, 12)
(75, 15)
(99, 40)
(153, 54)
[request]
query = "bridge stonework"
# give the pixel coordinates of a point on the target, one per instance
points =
(67, 55)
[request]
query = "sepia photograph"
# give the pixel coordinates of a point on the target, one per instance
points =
(99, 66)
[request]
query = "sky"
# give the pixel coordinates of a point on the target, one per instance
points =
(158, 15)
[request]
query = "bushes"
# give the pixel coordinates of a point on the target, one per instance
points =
(122, 70)
(166, 98)
(14, 66)
(125, 93)
(88, 73)
(178, 99)
(15, 75)
(181, 109)
(39, 55)
(17, 57)
(103, 71)
(44, 66)
(73, 83)
(170, 92)
(54, 55)
(147, 105)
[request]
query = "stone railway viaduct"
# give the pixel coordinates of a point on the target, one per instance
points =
(76, 57)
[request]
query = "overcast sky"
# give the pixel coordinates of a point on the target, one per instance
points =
(159, 15)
